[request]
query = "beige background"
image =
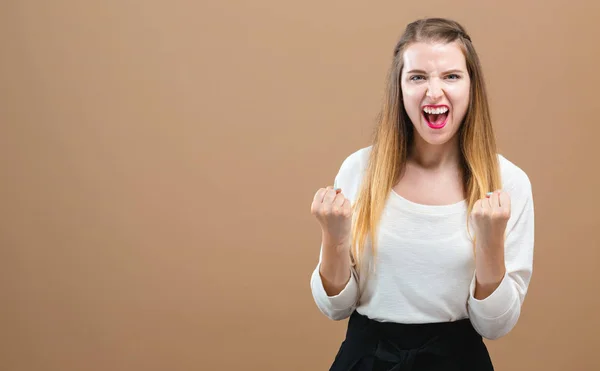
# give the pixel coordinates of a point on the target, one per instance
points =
(158, 161)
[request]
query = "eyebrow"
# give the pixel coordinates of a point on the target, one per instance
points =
(456, 70)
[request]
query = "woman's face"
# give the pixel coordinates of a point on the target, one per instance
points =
(435, 89)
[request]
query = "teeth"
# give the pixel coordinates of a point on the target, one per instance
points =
(435, 111)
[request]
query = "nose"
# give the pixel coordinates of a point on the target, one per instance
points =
(434, 90)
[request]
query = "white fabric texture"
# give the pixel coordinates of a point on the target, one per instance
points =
(425, 267)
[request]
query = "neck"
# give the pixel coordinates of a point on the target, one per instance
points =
(435, 157)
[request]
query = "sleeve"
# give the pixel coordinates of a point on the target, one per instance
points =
(342, 305)
(496, 315)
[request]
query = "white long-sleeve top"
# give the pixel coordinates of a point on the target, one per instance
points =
(425, 266)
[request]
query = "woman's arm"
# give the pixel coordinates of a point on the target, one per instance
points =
(334, 283)
(335, 267)
(503, 273)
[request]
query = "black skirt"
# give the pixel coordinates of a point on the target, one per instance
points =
(377, 346)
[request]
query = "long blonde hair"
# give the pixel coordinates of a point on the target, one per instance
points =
(394, 134)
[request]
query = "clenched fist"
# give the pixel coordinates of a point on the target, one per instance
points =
(334, 213)
(490, 216)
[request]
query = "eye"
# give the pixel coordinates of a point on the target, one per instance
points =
(453, 76)
(416, 77)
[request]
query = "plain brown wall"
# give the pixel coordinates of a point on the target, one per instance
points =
(158, 161)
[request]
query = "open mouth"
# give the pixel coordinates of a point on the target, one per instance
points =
(436, 116)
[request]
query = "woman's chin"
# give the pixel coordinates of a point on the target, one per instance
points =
(436, 135)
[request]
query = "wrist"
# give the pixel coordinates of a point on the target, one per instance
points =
(491, 243)
(336, 245)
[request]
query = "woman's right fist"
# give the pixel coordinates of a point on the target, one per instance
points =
(334, 213)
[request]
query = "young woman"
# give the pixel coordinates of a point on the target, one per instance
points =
(428, 233)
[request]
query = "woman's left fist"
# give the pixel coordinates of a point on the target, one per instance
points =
(490, 216)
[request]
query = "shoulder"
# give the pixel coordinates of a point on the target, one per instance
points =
(512, 175)
(356, 161)
(351, 172)
(515, 180)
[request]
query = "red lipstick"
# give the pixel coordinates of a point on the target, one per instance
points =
(437, 115)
